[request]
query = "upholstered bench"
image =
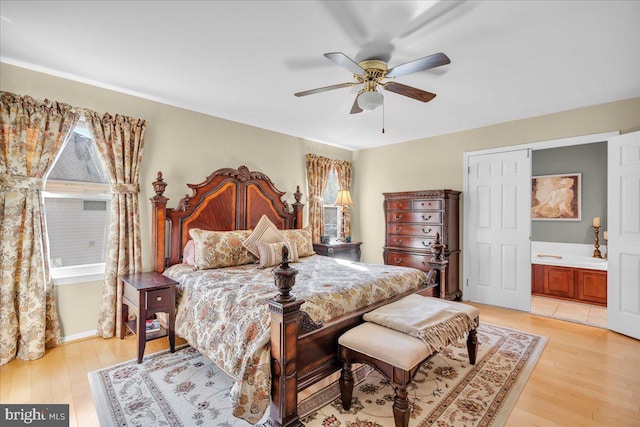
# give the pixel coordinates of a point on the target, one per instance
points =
(406, 333)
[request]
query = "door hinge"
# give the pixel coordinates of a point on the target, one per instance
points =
(468, 170)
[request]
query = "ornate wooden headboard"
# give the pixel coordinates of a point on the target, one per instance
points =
(228, 199)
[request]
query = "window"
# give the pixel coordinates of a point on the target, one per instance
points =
(77, 204)
(332, 213)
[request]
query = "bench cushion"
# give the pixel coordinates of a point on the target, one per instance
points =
(393, 347)
(435, 321)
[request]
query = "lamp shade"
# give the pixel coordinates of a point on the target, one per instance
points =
(344, 198)
(370, 100)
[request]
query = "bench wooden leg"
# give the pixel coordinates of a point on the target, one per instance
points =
(346, 383)
(472, 346)
(401, 411)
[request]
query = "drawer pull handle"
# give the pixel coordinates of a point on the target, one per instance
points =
(398, 241)
(424, 263)
(427, 218)
(426, 231)
(397, 260)
(398, 216)
(158, 298)
(398, 229)
(425, 244)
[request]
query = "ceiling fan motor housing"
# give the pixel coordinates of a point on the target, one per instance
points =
(375, 71)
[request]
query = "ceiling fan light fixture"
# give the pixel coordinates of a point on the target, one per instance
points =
(370, 100)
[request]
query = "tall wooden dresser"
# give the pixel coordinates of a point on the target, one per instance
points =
(412, 220)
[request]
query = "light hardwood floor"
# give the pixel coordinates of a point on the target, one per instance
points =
(586, 376)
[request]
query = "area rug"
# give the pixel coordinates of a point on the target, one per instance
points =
(186, 389)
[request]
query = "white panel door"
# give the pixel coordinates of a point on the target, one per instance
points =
(623, 294)
(498, 207)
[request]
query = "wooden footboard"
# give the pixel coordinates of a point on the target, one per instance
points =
(302, 353)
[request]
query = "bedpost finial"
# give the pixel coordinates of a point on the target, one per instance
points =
(285, 278)
(285, 257)
(298, 194)
(438, 248)
(159, 185)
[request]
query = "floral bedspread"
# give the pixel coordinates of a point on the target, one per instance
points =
(223, 313)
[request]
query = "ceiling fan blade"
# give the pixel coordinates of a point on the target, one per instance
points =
(324, 89)
(345, 62)
(355, 109)
(411, 92)
(431, 61)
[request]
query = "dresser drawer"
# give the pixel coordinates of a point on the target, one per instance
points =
(160, 298)
(401, 205)
(408, 216)
(408, 260)
(426, 230)
(400, 241)
(425, 204)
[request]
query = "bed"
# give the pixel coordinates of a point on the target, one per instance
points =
(274, 330)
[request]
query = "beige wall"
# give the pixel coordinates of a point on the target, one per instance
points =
(184, 145)
(78, 307)
(437, 162)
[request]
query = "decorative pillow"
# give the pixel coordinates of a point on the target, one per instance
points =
(216, 249)
(265, 231)
(302, 239)
(271, 253)
(189, 253)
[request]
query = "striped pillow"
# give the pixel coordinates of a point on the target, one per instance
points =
(271, 253)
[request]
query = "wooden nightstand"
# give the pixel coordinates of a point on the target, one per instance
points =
(350, 251)
(145, 294)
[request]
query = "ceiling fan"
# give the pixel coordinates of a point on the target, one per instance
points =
(373, 73)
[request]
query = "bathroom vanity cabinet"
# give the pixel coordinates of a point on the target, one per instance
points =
(578, 284)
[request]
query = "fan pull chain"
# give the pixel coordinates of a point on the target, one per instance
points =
(382, 116)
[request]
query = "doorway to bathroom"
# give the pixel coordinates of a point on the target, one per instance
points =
(569, 197)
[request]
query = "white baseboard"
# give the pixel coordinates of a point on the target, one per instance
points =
(81, 335)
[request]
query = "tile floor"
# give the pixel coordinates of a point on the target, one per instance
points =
(568, 310)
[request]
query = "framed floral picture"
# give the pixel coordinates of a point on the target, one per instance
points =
(556, 197)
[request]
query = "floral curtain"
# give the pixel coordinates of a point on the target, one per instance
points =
(318, 169)
(343, 171)
(33, 133)
(119, 141)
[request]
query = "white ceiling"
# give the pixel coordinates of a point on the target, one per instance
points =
(243, 60)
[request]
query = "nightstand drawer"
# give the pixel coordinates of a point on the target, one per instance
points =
(160, 298)
(349, 251)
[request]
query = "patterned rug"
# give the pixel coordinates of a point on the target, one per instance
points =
(186, 389)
